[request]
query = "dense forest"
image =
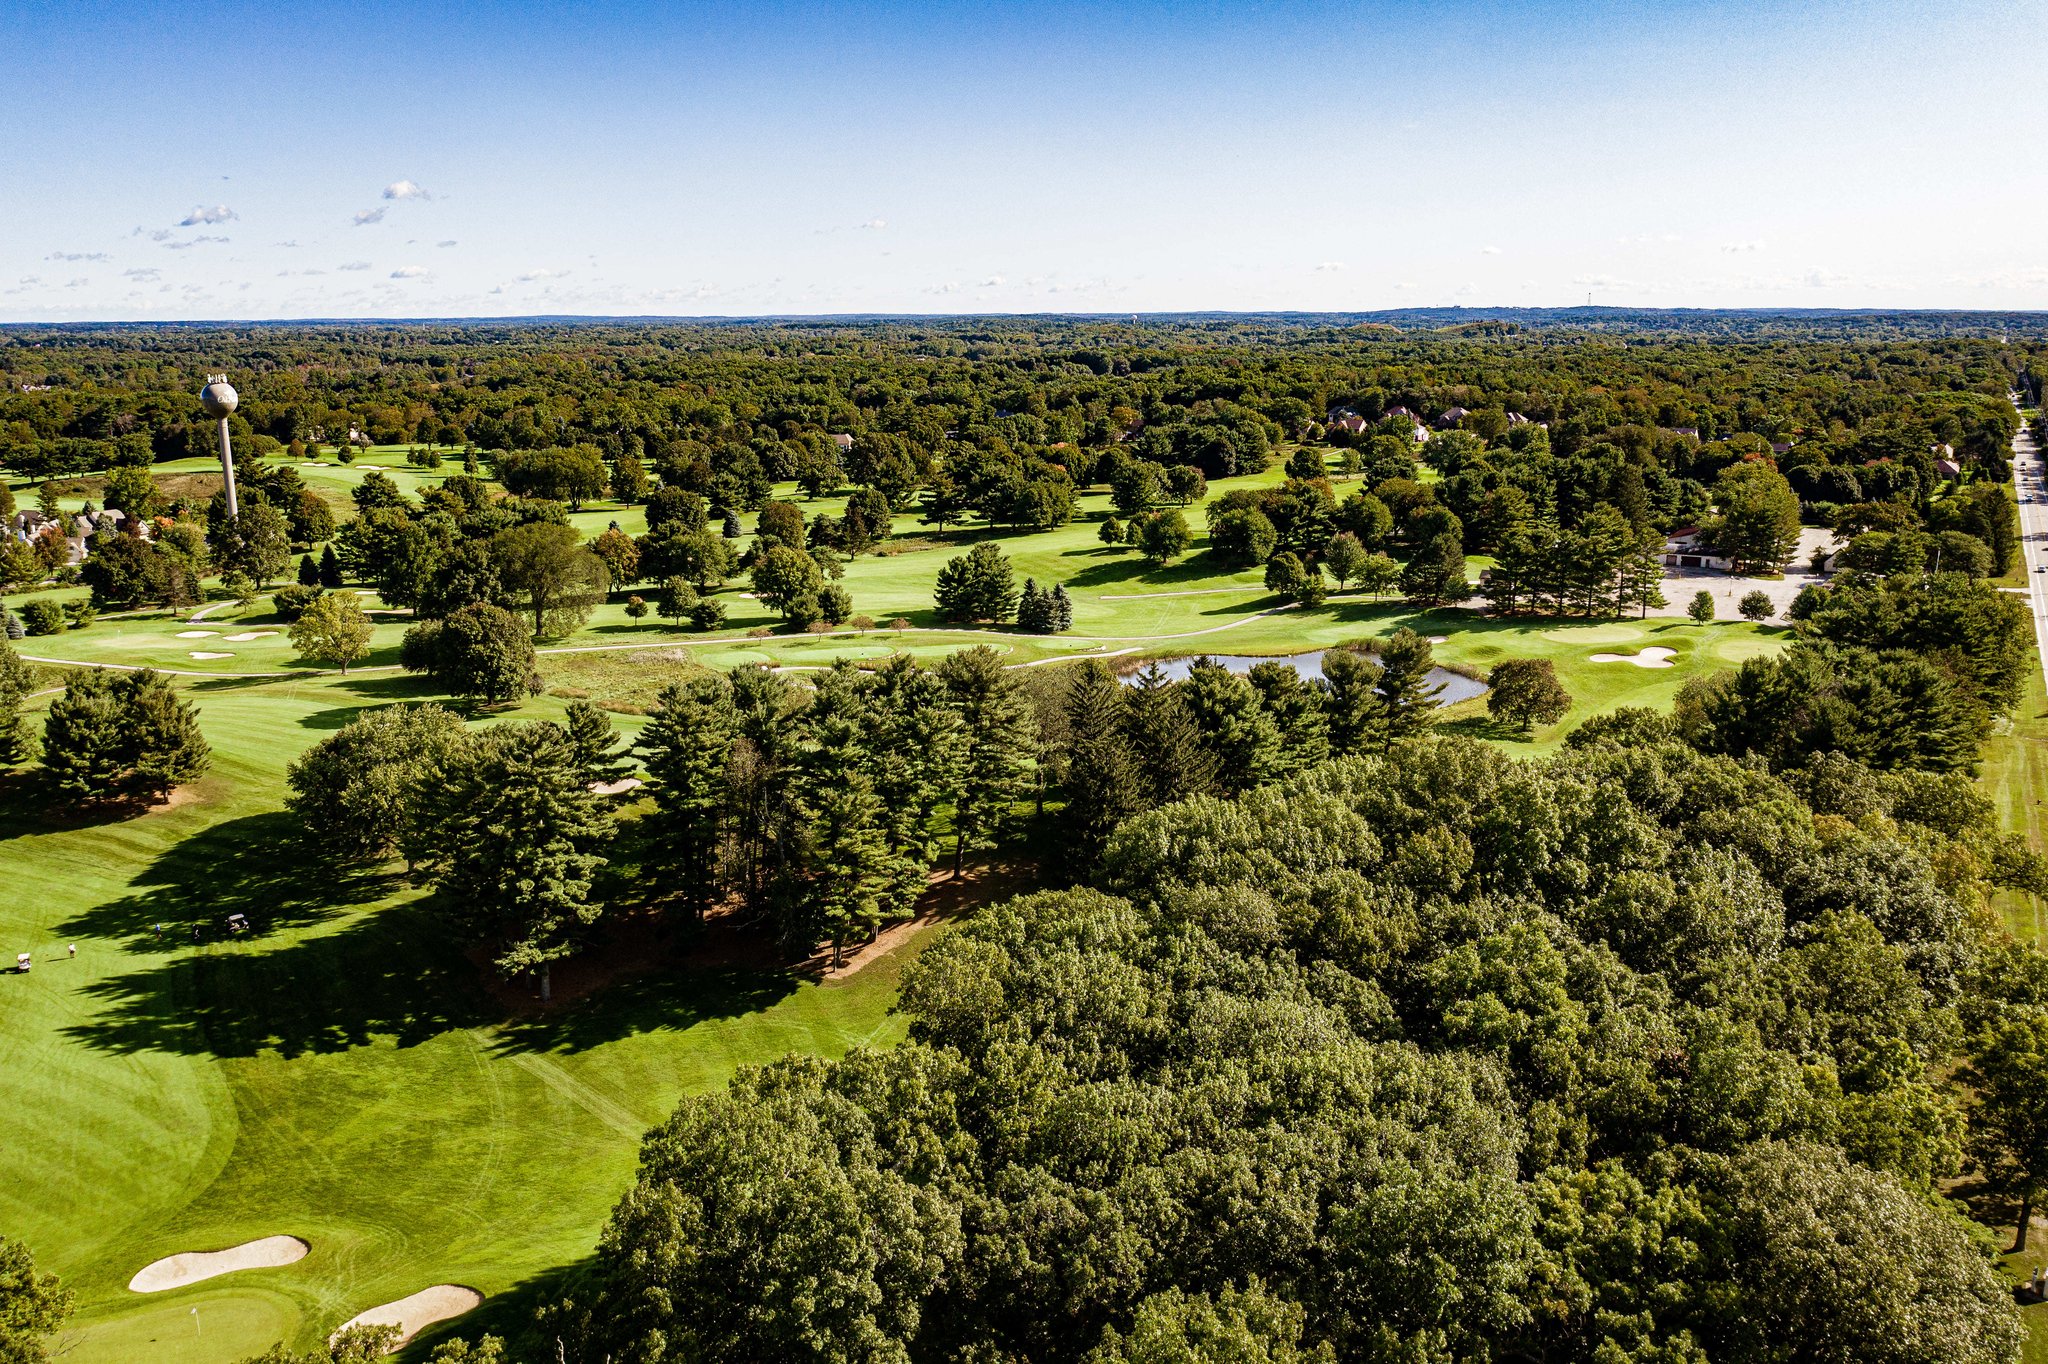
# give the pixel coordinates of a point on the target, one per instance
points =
(1327, 1035)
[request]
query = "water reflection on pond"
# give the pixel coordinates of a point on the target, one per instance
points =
(1456, 686)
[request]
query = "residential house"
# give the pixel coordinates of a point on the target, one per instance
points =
(1685, 549)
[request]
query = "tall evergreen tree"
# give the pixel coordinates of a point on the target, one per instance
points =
(599, 749)
(1104, 783)
(1236, 730)
(1406, 694)
(686, 748)
(1062, 613)
(122, 736)
(977, 585)
(521, 835)
(1173, 759)
(837, 873)
(330, 568)
(309, 572)
(1000, 735)
(1357, 716)
(915, 747)
(1034, 614)
(17, 679)
(1297, 713)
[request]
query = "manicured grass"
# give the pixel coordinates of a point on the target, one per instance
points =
(339, 1075)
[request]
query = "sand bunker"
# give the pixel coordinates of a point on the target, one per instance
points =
(1655, 656)
(248, 635)
(197, 634)
(1439, 639)
(202, 653)
(415, 1314)
(616, 788)
(175, 1271)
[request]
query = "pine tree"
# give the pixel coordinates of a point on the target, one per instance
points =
(1034, 615)
(836, 877)
(977, 585)
(309, 572)
(1297, 713)
(521, 835)
(1235, 728)
(330, 568)
(1001, 740)
(1103, 777)
(1405, 692)
(915, 746)
(686, 747)
(1168, 744)
(17, 679)
(1357, 718)
(1642, 575)
(122, 736)
(598, 746)
(1062, 610)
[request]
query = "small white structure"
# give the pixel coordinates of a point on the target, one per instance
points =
(1685, 549)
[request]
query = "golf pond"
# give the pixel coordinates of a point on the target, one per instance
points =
(1456, 686)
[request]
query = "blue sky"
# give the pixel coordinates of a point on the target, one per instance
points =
(207, 161)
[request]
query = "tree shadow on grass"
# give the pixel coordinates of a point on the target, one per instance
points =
(515, 1316)
(1135, 569)
(255, 866)
(388, 975)
(670, 1000)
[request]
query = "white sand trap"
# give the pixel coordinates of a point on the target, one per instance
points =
(616, 788)
(202, 653)
(175, 1271)
(371, 468)
(197, 634)
(415, 1314)
(248, 635)
(1655, 656)
(1433, 639)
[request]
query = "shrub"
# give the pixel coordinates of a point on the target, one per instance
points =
(292, 600)
(42, 616)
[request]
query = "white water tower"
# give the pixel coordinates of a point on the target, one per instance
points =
(219, 398)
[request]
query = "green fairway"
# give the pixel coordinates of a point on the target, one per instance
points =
(338, 1076)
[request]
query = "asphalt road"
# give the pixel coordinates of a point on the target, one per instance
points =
(2030, 477)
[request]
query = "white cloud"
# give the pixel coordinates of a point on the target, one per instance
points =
(534, 276)
(1489, 251)
(405, 189)
(199, 240)
(142, 274)
(874, 224)
(993, 282)
(409, 272)
(449, 242)
(368, 216)
(353, 265)
(1824, 279)
(951, 287)
(1329, 267)
(78, 283)
(1741, 248)
(219, 213)
(78, 255)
